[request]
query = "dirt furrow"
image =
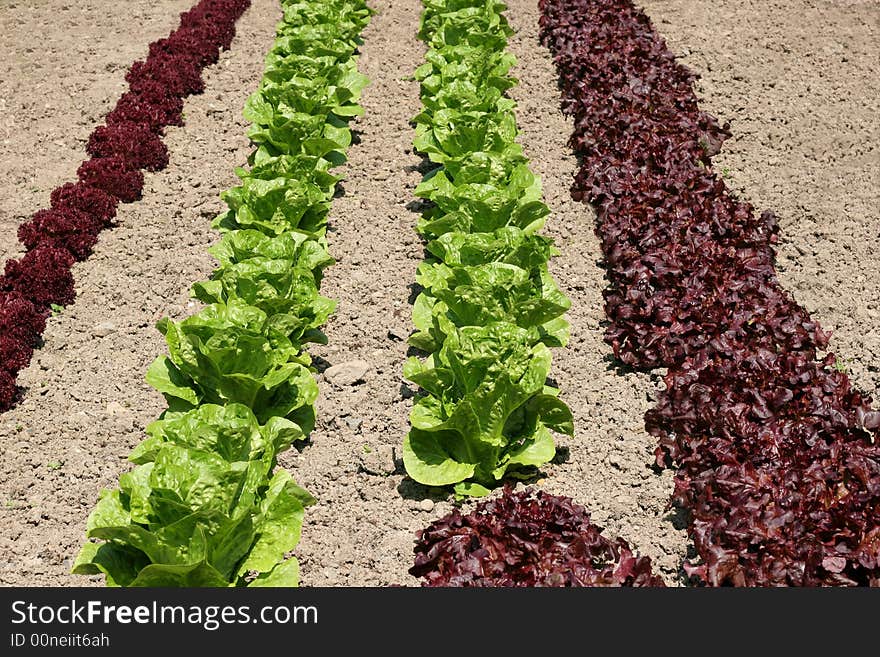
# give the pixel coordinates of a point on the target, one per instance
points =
(361, 530)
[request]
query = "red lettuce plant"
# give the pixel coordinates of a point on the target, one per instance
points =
(19, 318)
(145, 109)
(154, 93)
(777, 456)
(133, 142)
(8, 392)
(180, 75)
(527, 538)
(111, 175)
(63, 228)
(14, 353)
(207, 19)
(186, 43)
(20, 327)
(41, 275)
(84, 198)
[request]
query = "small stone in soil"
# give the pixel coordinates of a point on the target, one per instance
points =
(103, 329)
(347, 374)
(426, 505)
(115, 408)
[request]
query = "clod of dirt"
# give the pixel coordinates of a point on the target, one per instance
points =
(378, 461)
(115, 408)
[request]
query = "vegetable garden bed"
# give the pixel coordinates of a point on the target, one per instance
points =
(85, 404)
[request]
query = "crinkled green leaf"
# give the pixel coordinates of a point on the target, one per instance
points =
(278, 525)
(183, 575)
(284, 574)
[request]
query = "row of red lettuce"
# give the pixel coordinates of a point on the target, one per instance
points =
(776, 454)
(129, 142)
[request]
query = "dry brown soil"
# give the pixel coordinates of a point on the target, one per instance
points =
(797, 79)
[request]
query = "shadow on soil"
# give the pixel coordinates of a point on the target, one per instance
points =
(320, 364)
(413, 490)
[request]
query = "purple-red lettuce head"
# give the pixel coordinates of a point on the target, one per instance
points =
(528, 538)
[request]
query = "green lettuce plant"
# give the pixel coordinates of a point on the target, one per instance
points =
(203, 507)
(488, 412)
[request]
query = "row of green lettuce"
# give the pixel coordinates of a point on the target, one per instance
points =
(489, 310)
(206, 505)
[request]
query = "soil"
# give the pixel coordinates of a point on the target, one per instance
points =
(798, 82)
(804, 144)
